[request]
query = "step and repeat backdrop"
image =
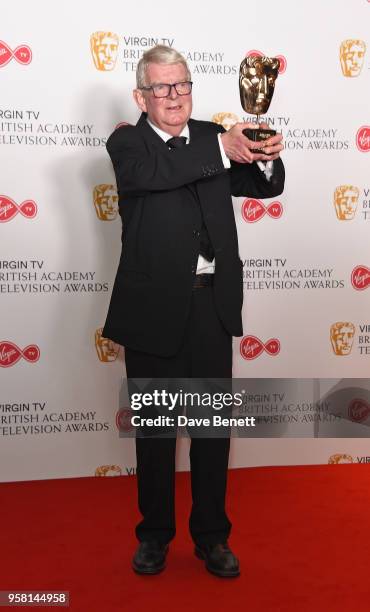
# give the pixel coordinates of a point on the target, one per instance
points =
(66, 80)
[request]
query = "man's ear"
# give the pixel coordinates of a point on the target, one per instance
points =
(139, 99)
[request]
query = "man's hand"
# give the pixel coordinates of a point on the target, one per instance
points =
(240, 149)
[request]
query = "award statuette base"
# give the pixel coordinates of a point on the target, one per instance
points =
(258, 135)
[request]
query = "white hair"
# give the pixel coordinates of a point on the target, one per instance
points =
(160, 54)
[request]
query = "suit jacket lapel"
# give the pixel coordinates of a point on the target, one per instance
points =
(194, 129)
(149, 133)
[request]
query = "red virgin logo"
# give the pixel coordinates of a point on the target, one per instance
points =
(358, 410)
(251, 347)
(281, 58)
(22, 54)
(253, 210)
(360, 277)
(10, 353)
(9, 209)
(363, 139)
(121, 124)
(123, 419)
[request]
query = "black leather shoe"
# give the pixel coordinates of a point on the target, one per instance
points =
(150, 558)
(219, 560)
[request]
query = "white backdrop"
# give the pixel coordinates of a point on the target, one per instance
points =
(306, 261)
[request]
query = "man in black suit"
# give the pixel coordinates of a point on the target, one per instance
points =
(178, 293)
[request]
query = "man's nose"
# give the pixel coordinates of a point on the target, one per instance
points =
(173, 93)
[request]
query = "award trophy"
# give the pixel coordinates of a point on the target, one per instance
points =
(257, 76)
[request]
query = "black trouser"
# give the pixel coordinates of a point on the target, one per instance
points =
(205, 353)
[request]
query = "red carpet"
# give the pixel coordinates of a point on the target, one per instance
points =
(302, 535)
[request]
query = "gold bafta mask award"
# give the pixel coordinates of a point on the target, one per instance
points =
(106, 349)
(352, 54)
(106, 202)
(345, 201)
(341, 336)
(104, 49)
(257, 76)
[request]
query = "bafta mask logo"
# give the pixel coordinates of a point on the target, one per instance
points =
(339, 458)
(227, 120)
(105, 202)
(108, 470)
(352, 54)
(106, 349)
(257, 78)
(341, 336)
(345, 201)
(104, 50)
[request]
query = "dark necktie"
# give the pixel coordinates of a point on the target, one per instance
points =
(176, 142)
(205, 247)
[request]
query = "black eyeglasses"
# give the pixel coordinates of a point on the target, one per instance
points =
(163, 90)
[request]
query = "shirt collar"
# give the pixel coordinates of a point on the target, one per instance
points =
(185, 132)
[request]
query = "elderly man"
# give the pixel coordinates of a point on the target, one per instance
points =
(178, 293)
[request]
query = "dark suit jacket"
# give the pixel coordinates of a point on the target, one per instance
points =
(160, 232)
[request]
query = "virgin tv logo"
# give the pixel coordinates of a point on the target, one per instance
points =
(9, 209)
(123, 420)
(254, 210)
(281, 58)
(10, 353)
(363, 139)
(358, 410)
(121, 124)
(251, 347)
(21, 54)
(360, 278)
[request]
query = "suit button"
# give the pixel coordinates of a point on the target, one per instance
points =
(196, 234)
(193, 269)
